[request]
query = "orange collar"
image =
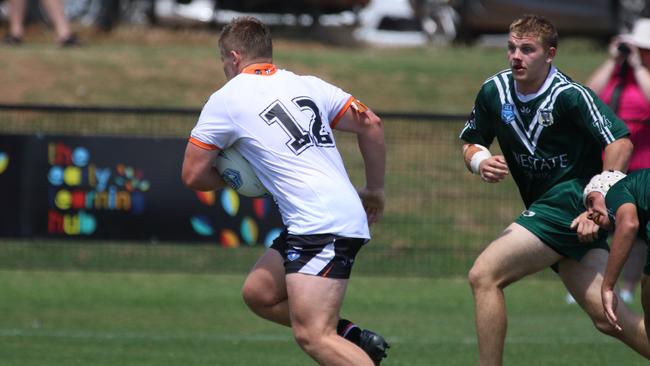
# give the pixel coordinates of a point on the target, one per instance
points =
(260, 69)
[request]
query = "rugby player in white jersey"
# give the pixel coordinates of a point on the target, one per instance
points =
(282, 124)
(552, 132)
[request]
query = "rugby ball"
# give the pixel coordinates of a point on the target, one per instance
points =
(238, 173)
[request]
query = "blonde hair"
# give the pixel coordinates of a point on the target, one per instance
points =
(536, 25)
(248, 36)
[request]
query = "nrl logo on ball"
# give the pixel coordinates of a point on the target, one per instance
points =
(545, 117)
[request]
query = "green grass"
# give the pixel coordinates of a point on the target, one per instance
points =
(92, 318)
(181, 69)
(437, 218)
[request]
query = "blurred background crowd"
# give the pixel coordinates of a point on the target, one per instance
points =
(377, 22)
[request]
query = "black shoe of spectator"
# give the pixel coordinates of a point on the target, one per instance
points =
(374, 345)
(70, 41)
(11, 40)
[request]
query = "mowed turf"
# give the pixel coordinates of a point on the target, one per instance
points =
(94, 318)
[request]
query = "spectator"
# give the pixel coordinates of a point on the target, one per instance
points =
(623, 82)
(55, 13)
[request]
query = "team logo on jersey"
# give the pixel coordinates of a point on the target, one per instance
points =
(545, 117)
(528, 213)
(507, 113)
(292, 255)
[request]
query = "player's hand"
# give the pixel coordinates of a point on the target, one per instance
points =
(373, 202)
(610, 303)
(587, 229)
(494, 169)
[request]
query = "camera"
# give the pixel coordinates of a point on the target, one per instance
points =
(623, 49)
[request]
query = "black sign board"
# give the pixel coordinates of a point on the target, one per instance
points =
(120, 188)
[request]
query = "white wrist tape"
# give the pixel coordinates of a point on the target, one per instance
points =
(478, 157)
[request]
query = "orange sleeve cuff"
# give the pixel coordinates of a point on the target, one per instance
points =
(339, 115)
(203, 145)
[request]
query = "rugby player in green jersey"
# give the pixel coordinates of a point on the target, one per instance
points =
(625, 208)
(552, 132)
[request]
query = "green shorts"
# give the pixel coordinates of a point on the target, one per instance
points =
(550, 217)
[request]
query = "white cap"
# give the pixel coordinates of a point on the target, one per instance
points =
(601, 183)
(640, 35)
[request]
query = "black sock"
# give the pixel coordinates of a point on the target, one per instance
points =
(349, 331)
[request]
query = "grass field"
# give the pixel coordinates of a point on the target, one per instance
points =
(138, 319)
(83, 316)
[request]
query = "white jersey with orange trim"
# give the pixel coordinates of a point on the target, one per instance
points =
(282, 124)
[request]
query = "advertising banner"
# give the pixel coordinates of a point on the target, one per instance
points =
(119, 188)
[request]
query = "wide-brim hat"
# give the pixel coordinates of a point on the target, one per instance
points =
(640, 35)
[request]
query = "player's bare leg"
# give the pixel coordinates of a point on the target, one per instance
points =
(265, 289)
(512, 256)
(583, 280)
(633, 270)
(645, 301)
(265, 293)
(314, 305)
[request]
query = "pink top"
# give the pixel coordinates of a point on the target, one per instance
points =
(634, 110)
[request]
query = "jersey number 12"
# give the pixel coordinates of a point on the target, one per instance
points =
(300, 139)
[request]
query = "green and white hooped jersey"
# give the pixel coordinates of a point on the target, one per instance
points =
(548, 137)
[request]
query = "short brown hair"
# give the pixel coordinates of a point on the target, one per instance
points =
(536, 25)
(248, 36)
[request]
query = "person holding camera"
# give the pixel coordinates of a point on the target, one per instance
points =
(623, 82)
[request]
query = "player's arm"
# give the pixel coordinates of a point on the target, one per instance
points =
(478, 133)
(369, 129)
(480, 161)
(608, 129)
(613, 136)
(198, 172)
(617, 155)
(627, 226)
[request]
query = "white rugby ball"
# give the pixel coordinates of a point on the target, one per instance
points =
(238, 173)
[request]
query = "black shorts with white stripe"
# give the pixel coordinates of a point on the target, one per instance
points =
(322, 255)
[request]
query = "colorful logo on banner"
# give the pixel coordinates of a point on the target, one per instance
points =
(247, 231)
(79, 188)
(4, 161)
